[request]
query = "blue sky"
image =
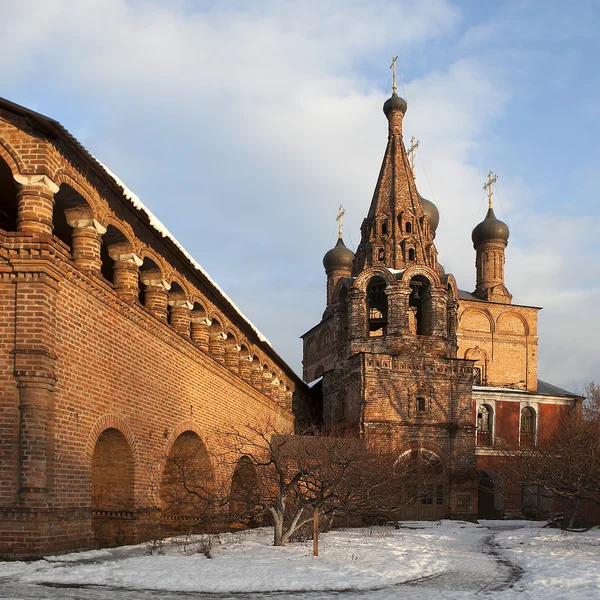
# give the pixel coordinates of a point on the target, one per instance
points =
(243, 125)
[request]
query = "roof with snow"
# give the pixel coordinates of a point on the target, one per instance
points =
(55, 130)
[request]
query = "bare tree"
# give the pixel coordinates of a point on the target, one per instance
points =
(296, 476)
(567, 465)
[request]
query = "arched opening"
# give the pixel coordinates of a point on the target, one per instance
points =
(528, 428)
(408, 227)
(187, 488)
(424, 493)
(384, 228)
(112, 489)
(244, 503)
(381, 255)
(484, 425)
(411, 254)
(419, 306)
(8, 198)
(377, 307)
(490, 495)
(112, 237)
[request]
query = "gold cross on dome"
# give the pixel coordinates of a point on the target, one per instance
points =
(414, 144)
(339, 219)
(488, 185)
(393, 68)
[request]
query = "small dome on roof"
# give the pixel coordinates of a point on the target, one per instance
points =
(440, 269)
(431, 212)
(339, 257)
(394, 103)
(489, 229)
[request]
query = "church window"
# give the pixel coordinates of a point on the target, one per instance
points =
(342, 409)
(384, 228)
(484, 425)
(421, 404)
(411, 254)
(381, 255)
(377, 307)
(528, 428)
(476, 375)
(408, 227)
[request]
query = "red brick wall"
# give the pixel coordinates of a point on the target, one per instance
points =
(93, 386)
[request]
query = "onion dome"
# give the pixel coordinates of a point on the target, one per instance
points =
(394, 103)
(431, 212)
(490, 229)
(440, 269)
(338, 258)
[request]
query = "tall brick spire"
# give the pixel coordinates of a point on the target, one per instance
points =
(396, 232)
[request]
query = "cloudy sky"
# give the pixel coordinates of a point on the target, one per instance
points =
(243, 125)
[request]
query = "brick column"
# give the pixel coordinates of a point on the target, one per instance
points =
(266, 387)
(256, 375)
(216, 346)
(180, 312)
(156, 294)
(232, 358)
(35, 200)
(126, 276)
(246, 368)
(34, 370)
(397, 307)
(200, 332)
(439, 314)
(357, 314)
(86, 241)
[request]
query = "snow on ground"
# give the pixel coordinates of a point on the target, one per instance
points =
(446, 559)
(557, 564)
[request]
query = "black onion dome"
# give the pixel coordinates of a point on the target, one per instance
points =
(394, 103)
(489, 229)
(431, 212)
(339, 257)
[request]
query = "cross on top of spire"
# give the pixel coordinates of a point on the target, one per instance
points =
(488, 185)
(414, 144)
(393, 68)
(339, 219)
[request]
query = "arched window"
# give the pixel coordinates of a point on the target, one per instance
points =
(384, 228)
(421, 404)
(419, 306)
(528, 428)
(484, 425)
(408, 227)
(411, 254)
(381, 255)
(377, 307)
(8, 198)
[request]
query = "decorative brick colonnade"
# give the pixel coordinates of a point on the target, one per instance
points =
(113, 344)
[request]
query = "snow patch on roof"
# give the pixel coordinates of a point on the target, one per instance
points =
(164, 232)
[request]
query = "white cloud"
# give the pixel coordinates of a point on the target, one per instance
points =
(244, 125)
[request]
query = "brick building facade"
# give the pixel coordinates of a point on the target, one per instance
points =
(116, 348)
(406, 359)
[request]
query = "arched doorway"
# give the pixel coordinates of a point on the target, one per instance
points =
(490, 495)
(187, 488)
(244, 498)
(112, 489)
(425, 497)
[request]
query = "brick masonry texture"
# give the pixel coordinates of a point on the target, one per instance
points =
(112, 346)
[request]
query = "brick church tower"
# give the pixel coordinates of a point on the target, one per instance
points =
(386, 346)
